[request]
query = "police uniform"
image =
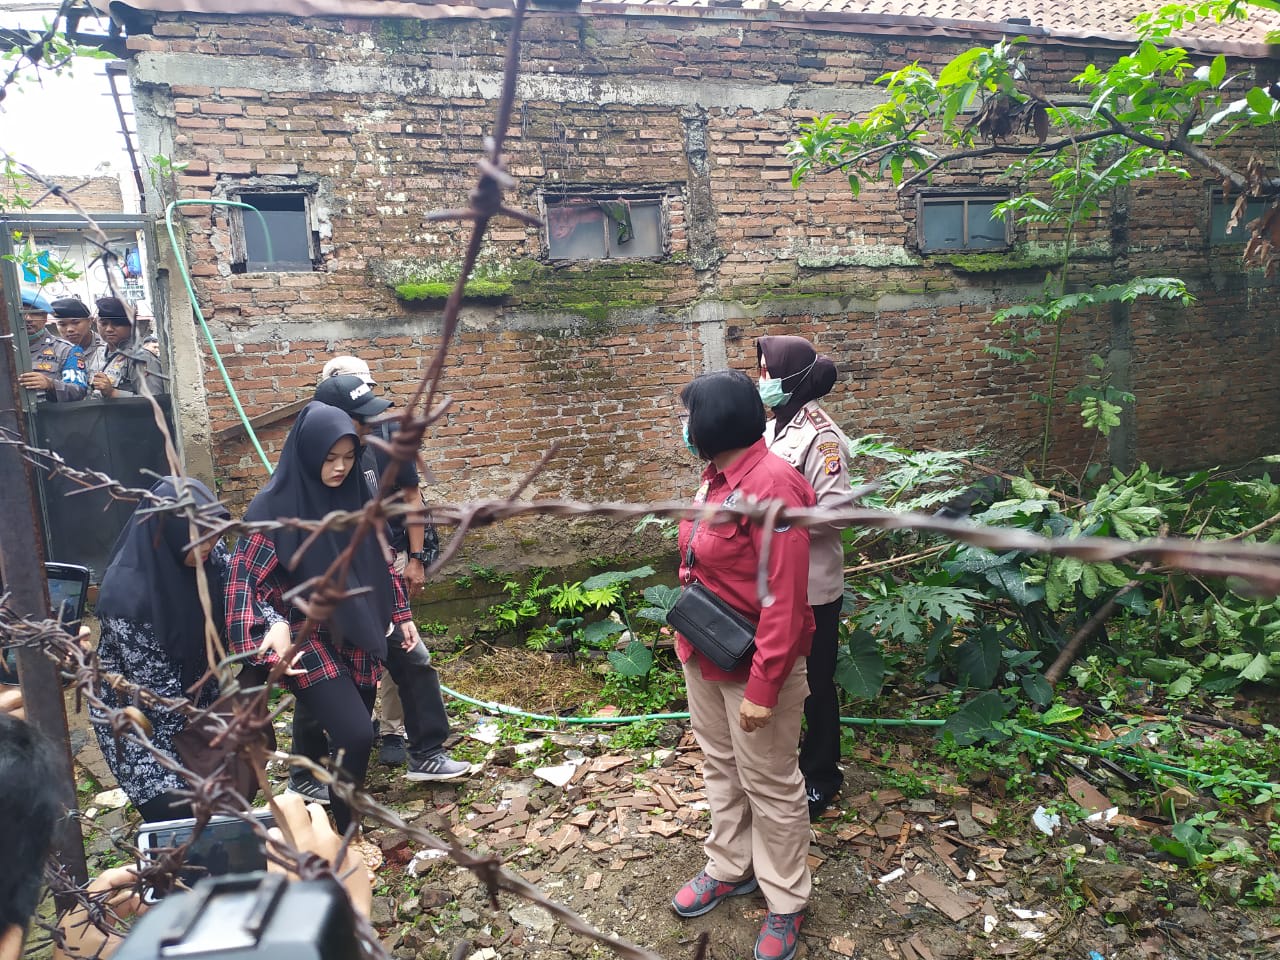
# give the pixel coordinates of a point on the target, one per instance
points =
(814, 445)
(818, 449)
(95, 356)
(127, 365)
(64, 363)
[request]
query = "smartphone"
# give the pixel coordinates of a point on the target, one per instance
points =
(68, 588)
(225, 845)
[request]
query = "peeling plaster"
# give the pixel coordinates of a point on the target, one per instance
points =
(272, 75)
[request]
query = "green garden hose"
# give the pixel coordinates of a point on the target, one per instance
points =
(195, 305)
(505, 710)
(502, 709)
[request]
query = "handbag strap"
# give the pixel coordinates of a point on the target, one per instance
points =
(688, 550)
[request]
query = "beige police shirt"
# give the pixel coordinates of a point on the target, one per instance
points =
(815, 446)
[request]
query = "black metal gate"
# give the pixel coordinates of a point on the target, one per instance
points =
(117, 436)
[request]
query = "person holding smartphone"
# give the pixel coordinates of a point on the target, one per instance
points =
(340, 660)
(152, 633)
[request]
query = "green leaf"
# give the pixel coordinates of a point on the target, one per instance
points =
(1060, 713)
(1037, 688)
(1217, 70)
(959, 69)
(1023, 488)
(596, 633)
(978, 719)
(1259, 102)
(978, 658)
(662, 597)
(1257, 668)
(1182, 686)
(860, 673)
(635, 661)
(616, 576)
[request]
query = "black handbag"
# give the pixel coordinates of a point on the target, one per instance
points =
(717, 631)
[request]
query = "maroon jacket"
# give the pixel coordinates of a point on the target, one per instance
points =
(726, 556)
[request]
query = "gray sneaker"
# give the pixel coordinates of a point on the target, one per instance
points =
(438, 766)
(305, 785)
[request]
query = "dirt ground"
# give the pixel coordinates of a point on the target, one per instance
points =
(934, 877)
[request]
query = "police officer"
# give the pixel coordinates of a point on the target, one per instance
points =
(76, 326)
(57, 365)
(126, 364)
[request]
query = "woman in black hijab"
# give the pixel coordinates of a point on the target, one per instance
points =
(339, 663)
(153, 634)
(792, 379)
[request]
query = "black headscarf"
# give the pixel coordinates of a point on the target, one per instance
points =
(296, 490)
(804, 374)
(148, 580)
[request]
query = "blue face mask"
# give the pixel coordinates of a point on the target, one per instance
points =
(771, 393)
(689, 446)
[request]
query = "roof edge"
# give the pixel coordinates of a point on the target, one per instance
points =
(833, 21)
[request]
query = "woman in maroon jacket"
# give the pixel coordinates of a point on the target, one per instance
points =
(748, 721)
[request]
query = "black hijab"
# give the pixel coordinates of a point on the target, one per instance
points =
(296, 490)
(805, 375)
(148, 580)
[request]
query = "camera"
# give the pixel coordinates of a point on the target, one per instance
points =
(225, 845)
(248, 916)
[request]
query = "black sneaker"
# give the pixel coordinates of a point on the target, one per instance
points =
(305, 785)
(391, 750)
(438, 766)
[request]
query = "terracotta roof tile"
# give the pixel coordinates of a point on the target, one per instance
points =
(1071, 20)
(1109, 19)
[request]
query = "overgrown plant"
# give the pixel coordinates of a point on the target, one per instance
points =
(994, 623)
(1155, 111)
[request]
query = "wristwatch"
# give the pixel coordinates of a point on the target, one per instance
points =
(419, 555)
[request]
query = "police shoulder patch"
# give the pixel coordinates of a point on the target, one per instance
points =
(819, 417)
(832, 463)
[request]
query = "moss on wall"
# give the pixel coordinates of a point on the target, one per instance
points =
(439, 290)
(590, 291)
(997, 262)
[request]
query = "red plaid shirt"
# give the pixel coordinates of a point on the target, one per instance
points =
(256, 575)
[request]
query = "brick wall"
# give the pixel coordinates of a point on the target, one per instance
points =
(382, 120)
(95, 194)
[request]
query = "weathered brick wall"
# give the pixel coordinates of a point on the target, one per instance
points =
(95, 194)
(385, 119)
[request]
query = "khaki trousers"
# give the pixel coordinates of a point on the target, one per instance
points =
(759, 813)
(390, 712)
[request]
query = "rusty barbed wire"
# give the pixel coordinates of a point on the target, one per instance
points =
(240, 731)
(241, 717)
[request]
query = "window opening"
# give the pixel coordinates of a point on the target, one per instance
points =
(950, 222)
(288, 224)
(604, 227)
(1220, 214)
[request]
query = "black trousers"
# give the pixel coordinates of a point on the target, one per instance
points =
(820, 747)
(165, 806)
(425, 721)
(334, 718)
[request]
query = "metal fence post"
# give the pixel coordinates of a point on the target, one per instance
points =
(22, 567)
